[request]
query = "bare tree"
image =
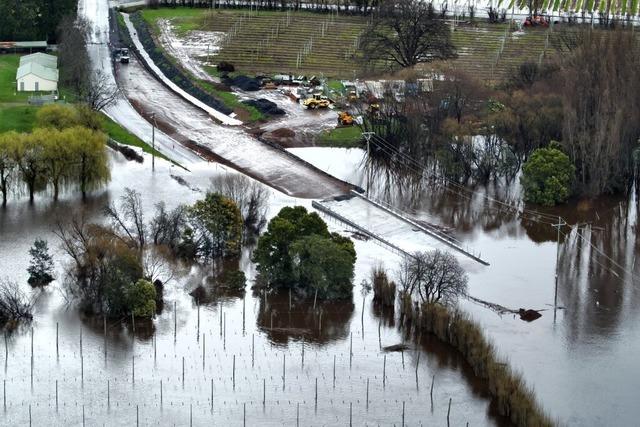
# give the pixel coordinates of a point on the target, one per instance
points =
(433, 277)
(99, 91)
(250, 196)
(15, 306)
(129, 218)
(407, 32)
(167, 226)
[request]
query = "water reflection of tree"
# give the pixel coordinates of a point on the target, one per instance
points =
(597, 274)
(328, 322)
(119, 331)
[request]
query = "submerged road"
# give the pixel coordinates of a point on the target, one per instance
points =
(183, 123)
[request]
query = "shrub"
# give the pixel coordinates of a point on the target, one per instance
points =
(384, 290)
(547, 177)
(226, 67)
(141, 298)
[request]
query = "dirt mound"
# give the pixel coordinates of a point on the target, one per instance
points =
(283, 133)
(283, 137)
(243, 82)
(265, 106)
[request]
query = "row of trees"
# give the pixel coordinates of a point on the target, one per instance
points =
(468, 132)
(33, 19)
(65, 150)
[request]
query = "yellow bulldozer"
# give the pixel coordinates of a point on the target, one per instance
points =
(316, 101)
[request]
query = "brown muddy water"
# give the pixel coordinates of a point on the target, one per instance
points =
(179, 369)
(582, 361)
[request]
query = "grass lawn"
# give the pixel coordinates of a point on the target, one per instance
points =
(345, 137)
(20, 118)
(123, 136)
(8, 68)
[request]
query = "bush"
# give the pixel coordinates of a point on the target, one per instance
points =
(141, 297)
(297, 251)
(226, 67)
(234, 280)
(384, 290)
(547, 177)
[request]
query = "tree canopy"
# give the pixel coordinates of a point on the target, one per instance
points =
(297, 251)
(547, 177)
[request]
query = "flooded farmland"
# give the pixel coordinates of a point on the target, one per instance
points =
(179, 369)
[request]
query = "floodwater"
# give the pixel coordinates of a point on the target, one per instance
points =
(582, 360)
(179, 369)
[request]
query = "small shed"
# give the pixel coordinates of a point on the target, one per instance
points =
(34, 77)
(37, 72)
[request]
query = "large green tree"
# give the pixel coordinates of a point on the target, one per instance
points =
(297, 251)
(547, 177)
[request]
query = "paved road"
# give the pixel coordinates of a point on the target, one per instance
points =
(96, 13)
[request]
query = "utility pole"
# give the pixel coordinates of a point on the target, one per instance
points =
(153, 141)
(367, 136)
(560, 223)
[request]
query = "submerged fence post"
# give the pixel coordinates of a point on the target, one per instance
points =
(234, 371)
(104, 324)
(448, 411)
(334, 371)
(161, 393)
(284, 369)
(175, 323)
(367, 393)
(204, 346)
(264, 391)
(433, 379)
(384, 371)
(351, 351)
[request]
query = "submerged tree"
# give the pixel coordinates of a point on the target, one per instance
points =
(433, 277)
(547, 177)
(601, 94)
(41, 265)
(15, 306)
(297, 251)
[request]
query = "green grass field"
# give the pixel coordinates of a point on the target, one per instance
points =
(20, 118)
(8, 68)
(345, 137)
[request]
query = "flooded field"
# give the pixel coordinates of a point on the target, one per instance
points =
(179, 370)
(580, 359)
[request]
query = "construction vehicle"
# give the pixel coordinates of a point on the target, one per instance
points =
(345, 119)
(316, 101)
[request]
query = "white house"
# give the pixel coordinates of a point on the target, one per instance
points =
(37, 73)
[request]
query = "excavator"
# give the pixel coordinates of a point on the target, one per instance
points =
(316, 101)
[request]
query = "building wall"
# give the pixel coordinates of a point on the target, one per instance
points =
(30, 84)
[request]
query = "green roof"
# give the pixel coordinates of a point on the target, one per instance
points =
(43, 59)
(37, 69)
